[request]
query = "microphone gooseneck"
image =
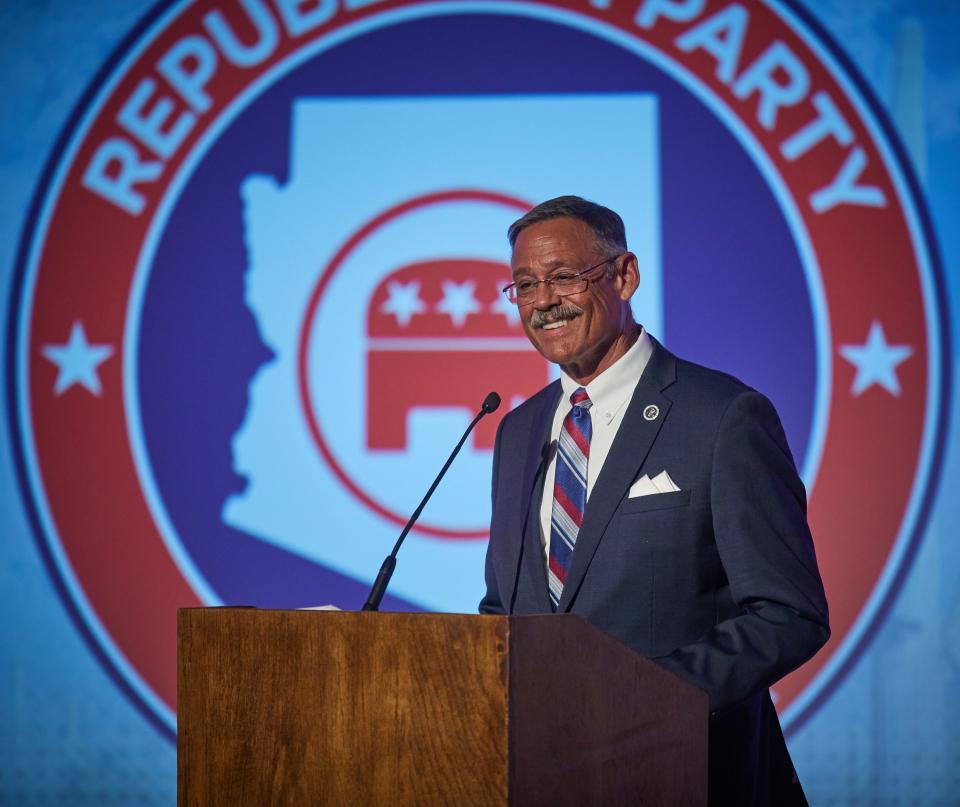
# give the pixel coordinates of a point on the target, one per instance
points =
(379, 588)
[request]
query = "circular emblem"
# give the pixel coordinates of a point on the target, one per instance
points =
(424, 321)
(259, 295)
(651, 412)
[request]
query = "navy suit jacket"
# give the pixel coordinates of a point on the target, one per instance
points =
(717, 582)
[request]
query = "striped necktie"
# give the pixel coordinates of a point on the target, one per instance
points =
(569, 490)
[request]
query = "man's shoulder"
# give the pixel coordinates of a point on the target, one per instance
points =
(534, 407)
(713, 394)
(527, 418)
(686, 377)
(715, 383)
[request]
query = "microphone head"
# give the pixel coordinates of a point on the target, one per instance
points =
(491, 403)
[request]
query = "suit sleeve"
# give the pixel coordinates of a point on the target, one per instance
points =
(758, 506)
(491, 604)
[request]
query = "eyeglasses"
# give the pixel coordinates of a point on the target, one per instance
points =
(563, 284)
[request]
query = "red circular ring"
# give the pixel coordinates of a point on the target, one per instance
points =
(303, 350)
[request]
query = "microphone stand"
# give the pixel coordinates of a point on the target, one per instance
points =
(379, 588)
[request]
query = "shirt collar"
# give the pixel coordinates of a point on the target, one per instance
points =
(611, 390)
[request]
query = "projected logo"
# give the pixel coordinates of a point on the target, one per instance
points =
(259, 297)
(438, 333)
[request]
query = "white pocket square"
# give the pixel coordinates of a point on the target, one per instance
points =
(645, 486)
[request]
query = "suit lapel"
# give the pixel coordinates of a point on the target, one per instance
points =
(536, 462)
(627, 454)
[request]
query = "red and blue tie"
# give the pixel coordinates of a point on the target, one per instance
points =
(569, 491)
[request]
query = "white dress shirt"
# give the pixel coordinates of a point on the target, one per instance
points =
(610, 393)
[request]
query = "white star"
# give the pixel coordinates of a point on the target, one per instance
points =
(505, 307)
(77, 361)
(404, 301)
(876, 361)
(458, 301)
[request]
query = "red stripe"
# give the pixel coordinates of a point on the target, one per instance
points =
(578, 436)
(559, 572)
(560, 495)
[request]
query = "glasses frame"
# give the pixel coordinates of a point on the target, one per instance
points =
(549, 280)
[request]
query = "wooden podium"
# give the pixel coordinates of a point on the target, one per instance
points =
(341, 708)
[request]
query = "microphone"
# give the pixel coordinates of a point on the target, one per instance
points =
(490, 404)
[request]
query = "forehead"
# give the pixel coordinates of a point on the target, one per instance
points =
(553, 243)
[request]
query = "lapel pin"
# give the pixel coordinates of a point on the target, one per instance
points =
(651, 412)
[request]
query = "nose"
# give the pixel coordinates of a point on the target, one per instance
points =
(546, 297)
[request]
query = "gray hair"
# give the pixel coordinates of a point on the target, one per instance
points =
(606, 226)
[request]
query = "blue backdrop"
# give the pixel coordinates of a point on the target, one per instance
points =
(277, 263)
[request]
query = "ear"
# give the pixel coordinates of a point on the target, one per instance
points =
(627, 275)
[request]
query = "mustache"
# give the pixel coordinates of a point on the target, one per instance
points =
(554, 314)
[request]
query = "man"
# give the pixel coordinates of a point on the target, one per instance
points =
(655, 498)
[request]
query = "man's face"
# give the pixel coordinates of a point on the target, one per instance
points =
(583, 333)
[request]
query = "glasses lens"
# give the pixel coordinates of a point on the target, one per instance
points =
(523, 291)
(564, 284)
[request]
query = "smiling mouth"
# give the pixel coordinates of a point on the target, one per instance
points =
(554, 318)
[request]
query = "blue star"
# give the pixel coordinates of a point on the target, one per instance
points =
(77, 361)
(876, 361)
